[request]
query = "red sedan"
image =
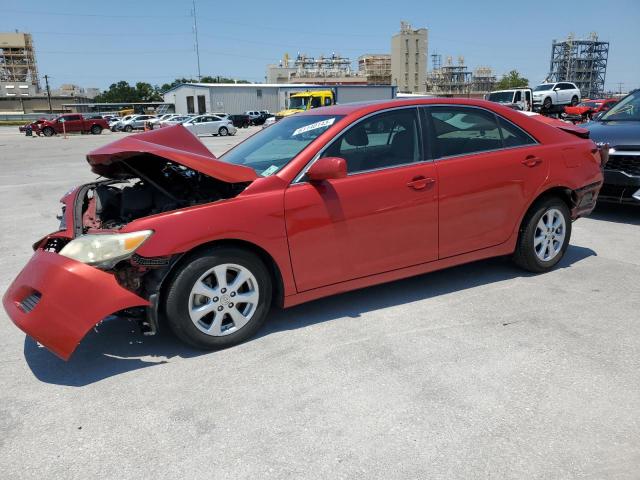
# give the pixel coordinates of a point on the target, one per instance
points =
(321, 202)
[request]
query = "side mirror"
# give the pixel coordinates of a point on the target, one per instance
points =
(327, 168)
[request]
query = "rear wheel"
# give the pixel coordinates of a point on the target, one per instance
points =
(544, 235)
(223, 131)
(96, 130)
(219, 298)
(128, 128)
(48, 131)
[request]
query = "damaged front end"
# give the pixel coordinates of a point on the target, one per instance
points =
(89, 269)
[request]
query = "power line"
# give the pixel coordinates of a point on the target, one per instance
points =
(37, 12)
(195, 32)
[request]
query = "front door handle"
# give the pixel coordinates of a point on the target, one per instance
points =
(531, 161)
(419, 183)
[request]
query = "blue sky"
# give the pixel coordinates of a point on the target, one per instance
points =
(98, 43)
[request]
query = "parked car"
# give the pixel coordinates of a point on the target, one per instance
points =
(155, 121)
(269, 121)
(210, 125)
(619, 128)
(136, 122)
(516, 98)
(240, 120)
(256, 117)
(72, 123)
(321, 202)
(175, 120)
(546, 96)
(587, 109)
(116, 123)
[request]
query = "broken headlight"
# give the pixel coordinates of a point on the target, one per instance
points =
(104, 249)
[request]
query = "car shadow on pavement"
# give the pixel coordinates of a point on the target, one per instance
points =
(617, 213)
(117, 347)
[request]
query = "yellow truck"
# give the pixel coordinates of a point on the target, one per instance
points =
(302, 101)
(306, 100)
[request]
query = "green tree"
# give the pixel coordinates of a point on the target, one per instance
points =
(121, 92)
(512, 80)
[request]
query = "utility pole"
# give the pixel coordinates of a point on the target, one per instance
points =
(46, 80)
(195, 32)
(620, 87)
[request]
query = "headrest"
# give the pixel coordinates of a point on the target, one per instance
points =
(357, 137)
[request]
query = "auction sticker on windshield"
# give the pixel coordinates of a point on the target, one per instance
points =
(313, 126)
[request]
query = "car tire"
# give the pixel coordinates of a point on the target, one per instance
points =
(223, 131)
(96, 130)
(128, 128)
(574, 101)
(544, 235)
(547, 104)
(48, 132)
(209, 319)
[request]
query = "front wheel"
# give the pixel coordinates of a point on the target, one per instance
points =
(574, 101)
(218, 299)
(223, 131)
(48, 131)
(547, 103)
(544, 235)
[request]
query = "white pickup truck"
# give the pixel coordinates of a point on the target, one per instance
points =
(549, 95)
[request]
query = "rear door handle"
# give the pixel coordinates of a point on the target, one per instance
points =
(419, 183)
(531, 161)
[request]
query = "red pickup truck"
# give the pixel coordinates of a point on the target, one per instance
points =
(73, 122)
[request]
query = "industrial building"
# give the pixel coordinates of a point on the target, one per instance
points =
(241, 97)
(18, 68)
(323, 70)
(456, 80)
(375, 68)
(583, 62)
(409, 59)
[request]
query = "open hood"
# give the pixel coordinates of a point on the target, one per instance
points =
(176, 144)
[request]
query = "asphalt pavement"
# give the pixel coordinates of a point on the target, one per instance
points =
(479, 371)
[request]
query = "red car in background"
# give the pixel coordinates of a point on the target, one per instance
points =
(321, 202)
(587, 109)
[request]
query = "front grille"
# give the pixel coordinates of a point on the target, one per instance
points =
(630, 164)
(30, 302)
(55, 244)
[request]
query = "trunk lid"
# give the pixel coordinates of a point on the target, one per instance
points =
(176, 144)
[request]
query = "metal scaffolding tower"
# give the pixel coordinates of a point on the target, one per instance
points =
(17, 58)
(583, 62)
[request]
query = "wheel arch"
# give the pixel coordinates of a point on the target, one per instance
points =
(266, 257)
(566, 194)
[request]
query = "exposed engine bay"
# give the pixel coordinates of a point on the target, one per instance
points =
(146, 188)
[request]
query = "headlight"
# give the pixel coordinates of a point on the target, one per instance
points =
(104, 248)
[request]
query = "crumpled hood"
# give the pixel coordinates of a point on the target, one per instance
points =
(616, 133)
(171, 143)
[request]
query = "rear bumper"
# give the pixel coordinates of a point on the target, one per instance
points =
(584, 200)
(57, 300)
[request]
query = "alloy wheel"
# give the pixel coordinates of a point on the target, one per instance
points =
(549, 235)
(223, 299)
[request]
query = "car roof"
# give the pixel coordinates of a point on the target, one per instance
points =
(375, 105)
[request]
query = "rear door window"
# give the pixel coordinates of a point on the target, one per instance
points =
(462, 130)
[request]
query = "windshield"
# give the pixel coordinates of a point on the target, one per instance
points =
(547, 86)
(501, 97)
(298, 103)
(271, 149)
(627, 109)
